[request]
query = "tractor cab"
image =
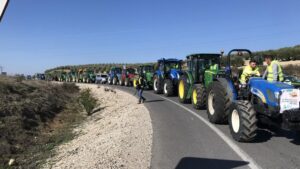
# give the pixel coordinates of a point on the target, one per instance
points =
(169, 65)
(201, 64)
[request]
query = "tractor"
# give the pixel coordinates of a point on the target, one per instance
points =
(89, 76)
(79, 76)
(194, 81)
(114, 75)
(166, 78)
(272, 103)
(127, 77)
(147, 72)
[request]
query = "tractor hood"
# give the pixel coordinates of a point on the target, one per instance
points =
(175, 73)
(261, 83)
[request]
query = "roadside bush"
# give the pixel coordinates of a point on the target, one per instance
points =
(26, 109)
(88, 101)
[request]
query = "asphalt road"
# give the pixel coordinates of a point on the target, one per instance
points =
(184, 139)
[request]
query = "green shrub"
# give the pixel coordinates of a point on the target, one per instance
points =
(88, 101)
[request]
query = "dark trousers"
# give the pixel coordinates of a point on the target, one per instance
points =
(140, 94)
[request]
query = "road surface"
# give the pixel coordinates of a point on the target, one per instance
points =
(184, 139)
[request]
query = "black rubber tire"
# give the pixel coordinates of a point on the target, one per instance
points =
(184, 98)
(221, 102)
(121, 82)
(127, 82)
(168, 88)
(247, 129)
(109, 81)
(158, 87)
(200, 90)
(115, 81)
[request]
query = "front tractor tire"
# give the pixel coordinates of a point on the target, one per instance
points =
(127, 82)
(168, 88)
(183, 88)
(158, 85)
(199, 96)
(218, 103)
(242, 121)
(115, 81)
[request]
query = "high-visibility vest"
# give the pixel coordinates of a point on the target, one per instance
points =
(270, 76)
(214, 67)
(248, 72)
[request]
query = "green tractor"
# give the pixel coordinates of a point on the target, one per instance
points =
(147, 71)
(89, 76)
(193, 83)
(62, 76)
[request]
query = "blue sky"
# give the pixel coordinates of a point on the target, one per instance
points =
(36, 35)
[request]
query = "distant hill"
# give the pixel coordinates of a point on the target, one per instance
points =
(284, 54)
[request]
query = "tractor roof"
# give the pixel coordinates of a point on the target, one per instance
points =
(169, 60)
(206, 56)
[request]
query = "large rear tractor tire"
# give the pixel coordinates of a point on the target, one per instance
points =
(218, 103)
(115, 81)
(183, 88)
(158, 85)
(168, 88)
(242, 121)
(199, 96)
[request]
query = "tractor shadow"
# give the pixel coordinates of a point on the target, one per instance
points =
(265, 133)
(153, 101)
(196, 163)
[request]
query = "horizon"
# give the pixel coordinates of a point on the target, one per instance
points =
(36, 36)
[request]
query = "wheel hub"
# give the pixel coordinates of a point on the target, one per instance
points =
(235, 121)
(195, 96)
(181, 89)
(211, 103)
(165, 88)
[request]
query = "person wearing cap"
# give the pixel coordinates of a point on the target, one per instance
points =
(249, 71)
(273, 72)
(140, 88)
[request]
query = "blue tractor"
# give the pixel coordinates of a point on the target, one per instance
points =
(114, 75)
(274, 103)
(165, 79)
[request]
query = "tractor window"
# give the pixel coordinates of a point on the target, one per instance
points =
(118, 70)
(130, 71)
(173, 65)
(148, 69)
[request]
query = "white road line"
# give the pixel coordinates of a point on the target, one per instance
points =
(244, 156)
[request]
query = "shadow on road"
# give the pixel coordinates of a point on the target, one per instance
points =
(151, 101)
(197, 163)
(265, 133)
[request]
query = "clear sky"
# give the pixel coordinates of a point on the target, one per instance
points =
(39, 34)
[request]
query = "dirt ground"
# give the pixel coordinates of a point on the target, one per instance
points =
(119, 135)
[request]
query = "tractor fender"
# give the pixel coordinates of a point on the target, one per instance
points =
(229, 86)
(190, 81)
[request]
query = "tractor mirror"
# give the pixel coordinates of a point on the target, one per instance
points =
(3, 5)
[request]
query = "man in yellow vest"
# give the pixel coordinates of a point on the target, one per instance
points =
(273, 72)
(249, 71)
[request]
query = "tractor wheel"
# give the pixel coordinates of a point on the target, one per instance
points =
(199, 96)
(115, 81)
(121, 82)
(242, 121)
(127, 82)
(158, 85)
(183, 89)
(168, 88)
(88, 81)
(218, 103)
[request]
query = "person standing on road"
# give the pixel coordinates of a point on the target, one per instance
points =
(273, 72)
(140, 88)
(249, 71)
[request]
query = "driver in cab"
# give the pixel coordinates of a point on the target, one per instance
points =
(249, 71)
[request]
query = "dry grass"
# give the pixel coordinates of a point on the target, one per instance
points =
(31, 113)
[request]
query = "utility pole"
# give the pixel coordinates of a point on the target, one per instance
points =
(1, 70)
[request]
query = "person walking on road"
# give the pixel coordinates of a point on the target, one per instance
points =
(140, 88)
(273, 72)
(249, 71)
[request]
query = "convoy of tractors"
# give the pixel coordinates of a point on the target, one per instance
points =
(208, 83)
